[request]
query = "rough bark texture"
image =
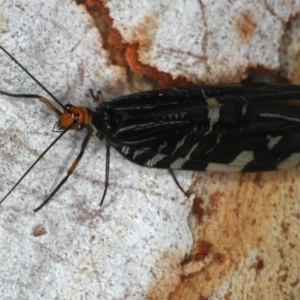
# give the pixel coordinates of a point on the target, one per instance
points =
(245, 227)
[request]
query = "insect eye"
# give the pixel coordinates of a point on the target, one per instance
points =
(79, 127)
(68, 106)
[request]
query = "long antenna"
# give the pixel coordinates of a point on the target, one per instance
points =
(32, 77)
(39, 158)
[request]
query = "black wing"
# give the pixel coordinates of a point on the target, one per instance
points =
(221, 128)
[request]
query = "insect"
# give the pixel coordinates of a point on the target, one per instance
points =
(237, 127)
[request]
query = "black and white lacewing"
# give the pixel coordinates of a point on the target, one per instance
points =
(247, 128)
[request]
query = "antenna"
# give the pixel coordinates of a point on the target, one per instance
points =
(38, 159)
(32, 77)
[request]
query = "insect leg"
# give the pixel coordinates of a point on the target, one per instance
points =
(31, 167)
(30, 96)
(177, 183)
(70, 171)
(106, 172)
(99, 96)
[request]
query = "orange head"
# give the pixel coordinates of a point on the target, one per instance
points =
(76, 115)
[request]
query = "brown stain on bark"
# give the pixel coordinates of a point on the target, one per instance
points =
(251, 223)
(164, 282)
(39, 230)
(141, 42)
(245, 25)
(197, 209)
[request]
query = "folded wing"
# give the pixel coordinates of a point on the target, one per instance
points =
(217, 128)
